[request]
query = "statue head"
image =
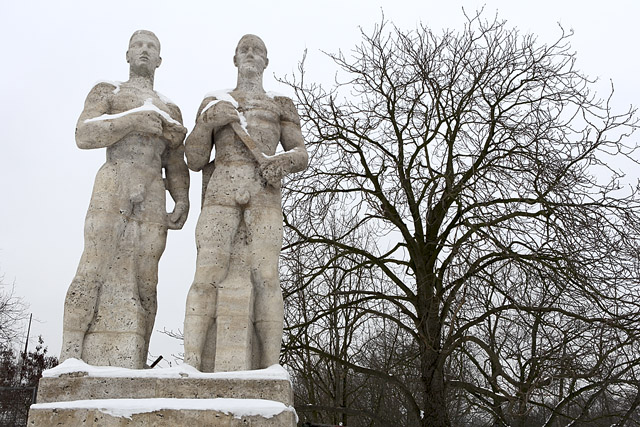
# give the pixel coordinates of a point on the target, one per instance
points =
(143, 54)
(251, 54)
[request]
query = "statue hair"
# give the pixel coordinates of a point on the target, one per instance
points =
(145, 32)
(248, 37)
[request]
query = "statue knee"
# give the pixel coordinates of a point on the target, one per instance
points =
(150, 305)
(77, 317)
(267, 279)
(79, 305)
(201, 299)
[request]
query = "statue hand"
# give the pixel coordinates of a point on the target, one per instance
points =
(174, 133)
(177, 218)
(273, 170)
(147, 122)
(220, 114)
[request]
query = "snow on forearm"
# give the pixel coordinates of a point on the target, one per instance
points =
(147, 106)
(243, 122)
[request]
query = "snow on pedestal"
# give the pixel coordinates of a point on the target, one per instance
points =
(75, 393)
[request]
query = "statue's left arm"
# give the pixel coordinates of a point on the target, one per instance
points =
(176, 171)
(295, 157)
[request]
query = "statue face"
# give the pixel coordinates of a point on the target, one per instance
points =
(143, 55)
(251, 55)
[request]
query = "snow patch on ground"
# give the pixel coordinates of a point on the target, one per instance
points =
(127, 407)
(71, 366)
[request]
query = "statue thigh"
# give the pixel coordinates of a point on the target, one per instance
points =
(216, 228)
(101, 231)
(265, 229)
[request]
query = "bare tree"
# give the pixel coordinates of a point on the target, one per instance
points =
(479, 162)
(330, 329)
(12, 314)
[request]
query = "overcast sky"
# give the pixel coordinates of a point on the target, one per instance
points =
(54, 51)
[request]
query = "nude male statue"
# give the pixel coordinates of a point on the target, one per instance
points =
(244, 188)
(126, 223)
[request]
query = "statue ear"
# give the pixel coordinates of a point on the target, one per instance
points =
(266, 62)
(127, 56)
(235, 61)
(159, 61)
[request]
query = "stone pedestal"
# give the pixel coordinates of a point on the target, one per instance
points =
(76, 394)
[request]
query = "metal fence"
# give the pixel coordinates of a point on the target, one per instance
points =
(14, 405)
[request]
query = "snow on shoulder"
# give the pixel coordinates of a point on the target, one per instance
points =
(274, 95)
(73, 366)
(110, 82)
(225, 95)
(222, 95)
(164, 98)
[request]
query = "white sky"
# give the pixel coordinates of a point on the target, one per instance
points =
(54, 51)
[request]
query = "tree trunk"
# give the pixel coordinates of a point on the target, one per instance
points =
(435, 409)
(431, 370)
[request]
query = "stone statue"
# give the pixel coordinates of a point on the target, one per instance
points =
(239, 232)
(111, 304)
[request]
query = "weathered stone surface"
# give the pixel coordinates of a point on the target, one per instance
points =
(65, 389)
(234, 310)
(76, 394)
(111, 303)
(161, 418)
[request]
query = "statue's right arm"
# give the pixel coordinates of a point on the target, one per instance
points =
(199, 143)
(94, 132)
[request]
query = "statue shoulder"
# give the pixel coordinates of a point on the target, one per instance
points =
(288, 110)
(99, 99)
(206, 103)
(106, 87)
(165, 100)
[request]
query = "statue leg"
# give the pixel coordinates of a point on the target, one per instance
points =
(151, 245)
(217, 225)
(79, 308)
(265, 229)
(100, 232)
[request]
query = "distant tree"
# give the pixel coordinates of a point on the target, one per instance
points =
(12, 314)
(19, 376)
(9, 368)
(480, 163)
(19, 372)
(327, 330)
(35, 363)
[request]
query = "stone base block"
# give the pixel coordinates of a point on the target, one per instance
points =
(110, 414)
(68, 388)
(77, 394)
